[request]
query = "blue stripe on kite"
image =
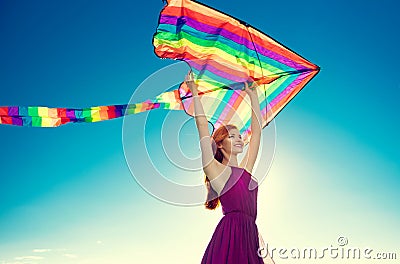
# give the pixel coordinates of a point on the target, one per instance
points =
(289, 79)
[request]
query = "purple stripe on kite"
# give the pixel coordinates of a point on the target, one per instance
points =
(70, 113)
(231, 101)
(288, 89)
(17, 121)
(172, 20)
(121, 107)
(118, 113)
(13, 111)
(265, 110)
(225, 75)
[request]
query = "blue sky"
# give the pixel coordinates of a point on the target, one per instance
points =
(67, 194)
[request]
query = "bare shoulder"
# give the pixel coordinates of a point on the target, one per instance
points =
(218, 174)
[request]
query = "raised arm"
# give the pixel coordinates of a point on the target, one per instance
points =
(202, 127)
(256, 128)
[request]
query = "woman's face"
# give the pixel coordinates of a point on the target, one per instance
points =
(233, 143)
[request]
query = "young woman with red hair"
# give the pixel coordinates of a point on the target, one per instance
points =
(235, 239)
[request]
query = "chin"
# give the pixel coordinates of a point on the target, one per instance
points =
(238, 151)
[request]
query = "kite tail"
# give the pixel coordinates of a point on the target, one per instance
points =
(40, 116)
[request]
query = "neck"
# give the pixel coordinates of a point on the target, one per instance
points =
(231, 162)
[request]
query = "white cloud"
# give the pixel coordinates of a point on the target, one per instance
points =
(70, 255)
(41, 250)
(29, 258)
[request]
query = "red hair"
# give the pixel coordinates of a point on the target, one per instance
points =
(218, 136)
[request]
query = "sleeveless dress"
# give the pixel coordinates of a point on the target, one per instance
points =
(235, 239)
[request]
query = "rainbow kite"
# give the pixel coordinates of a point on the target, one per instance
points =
(222, 52)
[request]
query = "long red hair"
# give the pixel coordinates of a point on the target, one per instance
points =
(218, 136)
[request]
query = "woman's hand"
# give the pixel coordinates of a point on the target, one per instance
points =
(250, 90)
(189, 80)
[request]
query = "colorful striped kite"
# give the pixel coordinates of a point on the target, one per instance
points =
(222, 52)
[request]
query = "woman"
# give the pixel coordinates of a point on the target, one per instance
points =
(235, 239)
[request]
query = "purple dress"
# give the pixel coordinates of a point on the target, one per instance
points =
(235, 239)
